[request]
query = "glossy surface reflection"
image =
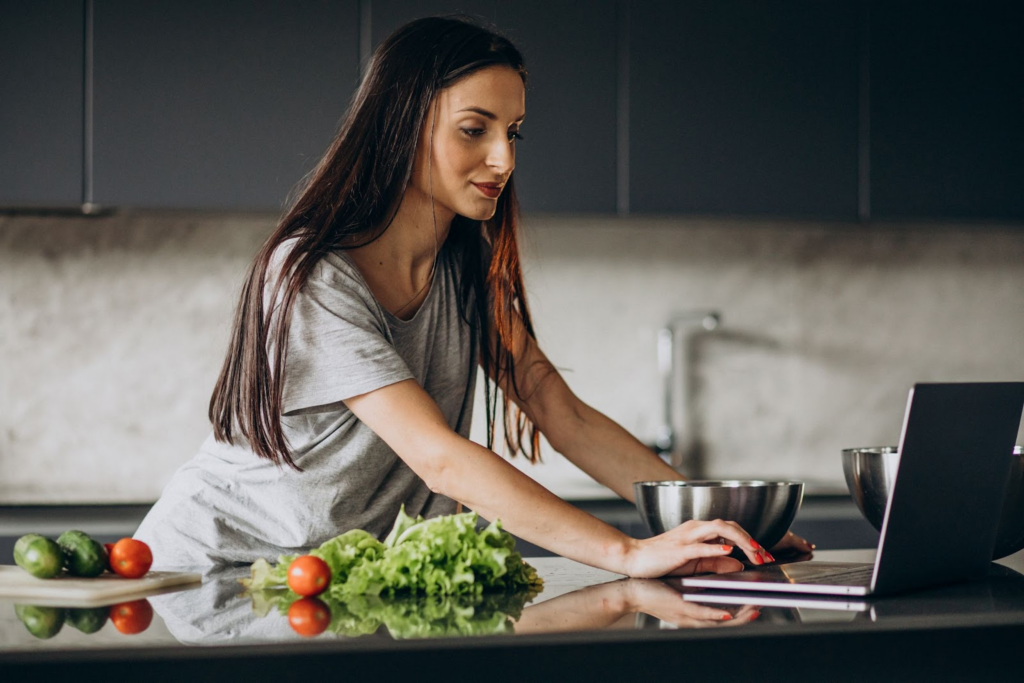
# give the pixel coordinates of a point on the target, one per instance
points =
(575, 599)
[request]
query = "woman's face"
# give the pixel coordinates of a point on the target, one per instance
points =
(474, 151)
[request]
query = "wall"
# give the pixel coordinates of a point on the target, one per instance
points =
(112, 331)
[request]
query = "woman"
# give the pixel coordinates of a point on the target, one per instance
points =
(391, 278)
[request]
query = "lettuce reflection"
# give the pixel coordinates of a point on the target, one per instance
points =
(619, 604)
(220, 612)
(404, 617)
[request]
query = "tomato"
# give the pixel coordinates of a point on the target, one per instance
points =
(130, 558)
(131, 617)
(309, 616)
(309, 575)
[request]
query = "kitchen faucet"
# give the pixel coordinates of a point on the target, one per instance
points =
(666, 439)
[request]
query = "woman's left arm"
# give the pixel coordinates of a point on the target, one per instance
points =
(592, 441)
(587, 438)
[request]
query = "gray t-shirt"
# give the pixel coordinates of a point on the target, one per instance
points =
(227, 505)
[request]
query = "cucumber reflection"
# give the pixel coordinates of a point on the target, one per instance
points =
(46, 621)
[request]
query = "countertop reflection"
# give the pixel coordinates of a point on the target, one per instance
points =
(576, 599)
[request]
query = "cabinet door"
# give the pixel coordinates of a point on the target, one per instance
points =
(947, 110)
(41, 104)
(222, 105)
(567, 159)
(744, 107)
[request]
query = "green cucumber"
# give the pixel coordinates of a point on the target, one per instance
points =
(39, 556)
(83, 556)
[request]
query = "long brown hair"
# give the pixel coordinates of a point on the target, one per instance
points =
(348, 201)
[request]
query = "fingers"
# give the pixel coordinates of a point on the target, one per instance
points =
(801, 544)
(676, 551)
(697, 611)
(686, 614)
(710, 565)
(701, 532)
(795, 544)
(745, 615)
(708, 559)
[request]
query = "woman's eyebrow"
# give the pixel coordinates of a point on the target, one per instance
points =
(489, 115)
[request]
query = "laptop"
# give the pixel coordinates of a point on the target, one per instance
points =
(942, 516)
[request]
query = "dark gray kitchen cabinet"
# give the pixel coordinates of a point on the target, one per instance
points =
(41, 105)
(567, 160)
(947, 110)
(222, 105)
(744, 107)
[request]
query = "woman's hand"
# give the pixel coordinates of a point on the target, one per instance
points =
(695, 547)
(614, 605)
(793, 546)
(663, 603)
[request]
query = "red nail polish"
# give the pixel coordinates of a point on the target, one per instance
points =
(726, 617)
(754, 544)
(770, 558)
(758, 560)
(755, 615)
(726, 548)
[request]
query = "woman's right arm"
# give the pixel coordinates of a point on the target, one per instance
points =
(408, 420)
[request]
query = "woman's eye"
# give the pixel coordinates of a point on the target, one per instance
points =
(473, 132)
(514, 135)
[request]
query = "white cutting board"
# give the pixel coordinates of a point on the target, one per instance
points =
(104, 589)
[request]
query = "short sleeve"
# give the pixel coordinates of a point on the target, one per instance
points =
(338, 341)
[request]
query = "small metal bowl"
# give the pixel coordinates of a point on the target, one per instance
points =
(870, 473)
(765, 509)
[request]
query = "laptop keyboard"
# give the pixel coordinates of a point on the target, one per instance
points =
(859, 576)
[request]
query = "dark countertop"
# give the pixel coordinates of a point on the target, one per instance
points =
(585, 624)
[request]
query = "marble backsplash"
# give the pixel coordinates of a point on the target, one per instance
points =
(112, 330)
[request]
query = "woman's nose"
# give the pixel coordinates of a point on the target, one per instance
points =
(501, 157)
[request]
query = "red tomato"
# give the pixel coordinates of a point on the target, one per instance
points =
(309, 616)
(309, 575)
(131, 617)
(130, 558)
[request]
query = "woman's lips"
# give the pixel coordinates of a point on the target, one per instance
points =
(488, 189)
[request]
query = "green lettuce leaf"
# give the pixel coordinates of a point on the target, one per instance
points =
(445, 555)
(348, 550)
(402, 522)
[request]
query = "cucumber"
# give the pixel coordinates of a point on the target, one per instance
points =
(88, 619)
(42, 622)
(39, 556)
(83, 556)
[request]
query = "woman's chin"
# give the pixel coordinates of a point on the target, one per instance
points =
(480, 213)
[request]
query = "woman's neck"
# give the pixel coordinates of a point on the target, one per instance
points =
(414, 235)
(399, 264)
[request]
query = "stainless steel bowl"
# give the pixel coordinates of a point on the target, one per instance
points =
(765, 509)
(870, 473)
